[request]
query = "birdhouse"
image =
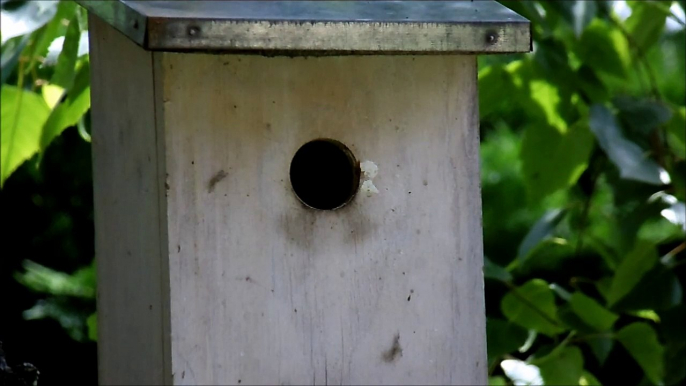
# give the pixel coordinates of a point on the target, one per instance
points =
(288, 192)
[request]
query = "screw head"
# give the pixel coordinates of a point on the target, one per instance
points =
(193, 30)
(491, 37)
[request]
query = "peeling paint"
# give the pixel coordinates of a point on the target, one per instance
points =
(369, 170)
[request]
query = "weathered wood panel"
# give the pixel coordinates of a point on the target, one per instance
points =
(132, 294)
(266, 291)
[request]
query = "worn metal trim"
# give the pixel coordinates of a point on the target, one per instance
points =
(124, 19)
(318, 27)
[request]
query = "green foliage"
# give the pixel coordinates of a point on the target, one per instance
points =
(591, 312)
(532, 306)
(604, 49)
(562, 367)
(639, 261)
(548, 164)
(647, 22)
(591, 141)
(43, 279)
(29, 123)
(45, 90)
(642, 343)
(503, 337)
(23, 115)
(67, 295)
(629, 158)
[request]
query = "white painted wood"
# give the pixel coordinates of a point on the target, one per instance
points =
(266, 291)
(129, 250)
(211, 271)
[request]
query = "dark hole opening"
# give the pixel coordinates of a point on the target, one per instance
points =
(324, 174)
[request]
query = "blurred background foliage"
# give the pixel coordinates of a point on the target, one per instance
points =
(583, 176)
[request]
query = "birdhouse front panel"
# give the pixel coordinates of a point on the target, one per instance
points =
(268, 284)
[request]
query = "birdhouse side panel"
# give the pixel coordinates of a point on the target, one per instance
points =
(129, 250)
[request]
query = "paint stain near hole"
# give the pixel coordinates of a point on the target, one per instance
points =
(395, 351)
(220, 175)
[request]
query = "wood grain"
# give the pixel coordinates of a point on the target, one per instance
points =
(386, 290)
(132, 294)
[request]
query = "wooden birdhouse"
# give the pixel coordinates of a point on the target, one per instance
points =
(288, 192)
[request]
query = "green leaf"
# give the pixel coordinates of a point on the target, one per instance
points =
(506, 217)
(496, 272)
(532, 306)
(626, 155)
(572, 321)
(554, 160)
(646, 23)
(10, 56)
(641, 117)
(584, 12)
(601, 347)
(54, 28)
(592, 86)
(503, 338)
(43, 279)
(630, 271)
(553, 65)
(92, 323)
(564, 367)
(69, 112)
(71, 317)
(22, 116)
(542, 230)
(547, 257)
(675, 127)
(646, 314)
(672, 224)
(64, 72)
(547, 97)
(633, 208)
(493, 82)
(497, 381)
(587, 379)
(604, 49)
(657, 289)
(591, 312)
(604, 285)
(640, 340)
